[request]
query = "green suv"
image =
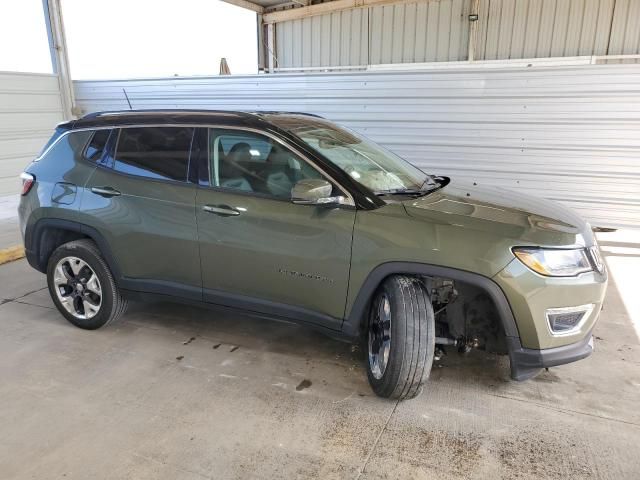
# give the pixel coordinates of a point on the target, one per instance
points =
(288, 216)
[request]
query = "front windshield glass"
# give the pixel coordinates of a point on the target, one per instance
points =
(366, 162)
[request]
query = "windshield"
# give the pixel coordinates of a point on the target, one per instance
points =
(365, 161)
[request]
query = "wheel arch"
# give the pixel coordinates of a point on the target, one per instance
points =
(47, 234)
(354, 319)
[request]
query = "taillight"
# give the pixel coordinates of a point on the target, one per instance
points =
(27, 182)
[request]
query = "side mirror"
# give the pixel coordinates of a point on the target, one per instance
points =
(314, 191)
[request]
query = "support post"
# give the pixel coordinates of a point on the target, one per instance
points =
(473, 29)
(270, 47)
(262, 55)
(59, 56)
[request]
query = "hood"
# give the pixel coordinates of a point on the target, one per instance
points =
(526, 219)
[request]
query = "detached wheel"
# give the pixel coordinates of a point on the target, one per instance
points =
(82, 286)
(400, 338)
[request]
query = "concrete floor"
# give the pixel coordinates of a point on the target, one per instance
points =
(9, 229)
(175, 392)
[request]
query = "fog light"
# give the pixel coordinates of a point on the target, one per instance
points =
(567, 320)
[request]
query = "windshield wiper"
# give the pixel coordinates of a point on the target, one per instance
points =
(430, 180)
(402, 191)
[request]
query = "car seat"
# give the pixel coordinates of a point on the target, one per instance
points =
(231, 172)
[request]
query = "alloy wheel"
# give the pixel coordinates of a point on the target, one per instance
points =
(77, 287)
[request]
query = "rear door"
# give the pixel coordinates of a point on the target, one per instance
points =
(259, 250)
(140, 199)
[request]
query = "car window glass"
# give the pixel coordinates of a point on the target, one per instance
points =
(96, 146)
(366, 162)
(154, 152)
(70, 145)
(251, 162)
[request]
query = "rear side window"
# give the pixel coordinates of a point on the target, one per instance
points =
(94, 149)
(154, 152)
(50, 142)
(67, 146)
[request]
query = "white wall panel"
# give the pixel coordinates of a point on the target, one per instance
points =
(570, 134)
(30, 108)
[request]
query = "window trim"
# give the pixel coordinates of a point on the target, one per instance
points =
(351, 202)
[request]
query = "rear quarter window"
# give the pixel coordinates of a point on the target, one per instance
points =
(50, 142)
(67, 146)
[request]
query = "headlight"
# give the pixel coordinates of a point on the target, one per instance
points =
(554, 262)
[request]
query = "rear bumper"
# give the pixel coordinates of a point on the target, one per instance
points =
(527, 362)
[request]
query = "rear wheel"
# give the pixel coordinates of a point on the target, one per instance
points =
(82, 286)
(400, 338)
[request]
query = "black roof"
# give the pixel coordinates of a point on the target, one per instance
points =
(177, 116)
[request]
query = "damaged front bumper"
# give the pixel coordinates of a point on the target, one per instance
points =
(527, 362)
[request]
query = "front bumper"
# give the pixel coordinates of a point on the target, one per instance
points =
(527, 362)
(532, 296)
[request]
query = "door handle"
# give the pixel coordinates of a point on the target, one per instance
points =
(222, 210)
(105, 191)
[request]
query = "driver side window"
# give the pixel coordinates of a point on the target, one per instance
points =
(250, 162)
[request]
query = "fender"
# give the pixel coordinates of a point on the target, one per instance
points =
(351, 326)
(33, 240)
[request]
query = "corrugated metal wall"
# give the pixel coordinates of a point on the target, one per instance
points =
(419, 32)
(544, 28)
(401, 33)
(339, 38)
(30, 108)
(571, 134)
(625, 28)
(438, 30)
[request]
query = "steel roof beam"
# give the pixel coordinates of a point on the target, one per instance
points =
(245, 4)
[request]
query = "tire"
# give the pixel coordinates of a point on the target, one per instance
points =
(412, 338)
(85, 301)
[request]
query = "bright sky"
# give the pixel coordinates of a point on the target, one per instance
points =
(132, 38)
(23, 36)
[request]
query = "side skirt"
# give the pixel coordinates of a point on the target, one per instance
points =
(226, 302)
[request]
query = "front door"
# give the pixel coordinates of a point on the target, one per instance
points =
(259, 250)
(140, 199)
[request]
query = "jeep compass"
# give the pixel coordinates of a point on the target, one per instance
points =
(291, 217)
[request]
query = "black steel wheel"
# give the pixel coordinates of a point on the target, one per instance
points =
(400, 338)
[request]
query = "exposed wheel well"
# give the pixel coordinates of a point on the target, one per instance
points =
(466, 313)
(463, 311)
(480, 299)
